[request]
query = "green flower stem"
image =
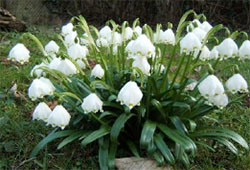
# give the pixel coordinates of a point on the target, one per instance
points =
(178, 70)
(216, 62)
(98, 119)
(186, 70)
(165, 78)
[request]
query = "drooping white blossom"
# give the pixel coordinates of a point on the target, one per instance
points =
(201, 34)
(142, 64)
(130, 94)
(220, 100)
(71, 39)
(97, 71)
(190, 43)
(128, 34)
(244, 51)
(166, 37)
(237, 83)
(67, 67)
(227, 49)
(41, 112)
(19, 53)
(92, 103)
(59, 117)
(52, 49)
(77, 51)
(67, 29)
(38, 72)
(138, 30)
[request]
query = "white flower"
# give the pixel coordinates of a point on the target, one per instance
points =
(77, 51)
(237, 83)
(71, 39)
(128, 34)
(40, 87)
(52, 49)
(142, 46)
(92, 103)
(220, 100)
(67, 67)
(206, 26)
(84, 40)
(190, 43)
(54, 63)
(115, 39)
(201, 34)
(130, 94)
(59, 117)
(81, 64)
(142, 64)
(244, 51)
(105, 32)
(204, 55)
(138, 30)
(41, 112)
(67, 29)
(214, 54)
(102, 42)
(19, 53)
(97, 71)
(38, 72)
(211, 86)
(166, 37)
(194, 24)
(227, 48)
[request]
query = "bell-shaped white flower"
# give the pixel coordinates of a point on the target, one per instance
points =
(130, 94)
(220, 100)
(67, 29)
(227, 48)
(54, 63)
(211, 86)
(97, 71)
(138, 30)
(92, 103)
(142, 64)
(128, 34)
(102, 42)
(67, 67)
(71, 39)
(237, 83)
(59, 117)
(166, 37)
(190, 43)
(115, 39)
(19, 53)
(105, 32)
(52, 49)
(38, 72)
(194, 24)
(214, 54)
(40, 87)
(77, 51)
(204, 55)
(142, 46)
(206, 26)
(201, 34)
(41, 112)
(244, 51)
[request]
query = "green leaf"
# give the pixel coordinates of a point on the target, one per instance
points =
(228, 144)
(96, 135)
(52, 136)
(147, 133)
(112, 153)
(103, 153)
(71, 138)
(179, 125)
(178, 137)
(160, 143)
(133, 148)
(158, 157)
(118, 125)
(181, 105)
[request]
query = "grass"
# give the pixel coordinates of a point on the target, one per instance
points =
(19, 135)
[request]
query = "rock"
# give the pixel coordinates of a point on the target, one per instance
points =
(134, 163)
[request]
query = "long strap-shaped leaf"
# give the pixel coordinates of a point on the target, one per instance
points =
(147, 133)
(160, 143)
(96, 135)
(72, 137)
(52, 136)
(118, 125)
(103, 153)
(178, 137)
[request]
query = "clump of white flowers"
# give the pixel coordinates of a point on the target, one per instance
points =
(19, 53)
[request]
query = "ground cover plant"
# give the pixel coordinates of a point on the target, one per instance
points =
(170, 123)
